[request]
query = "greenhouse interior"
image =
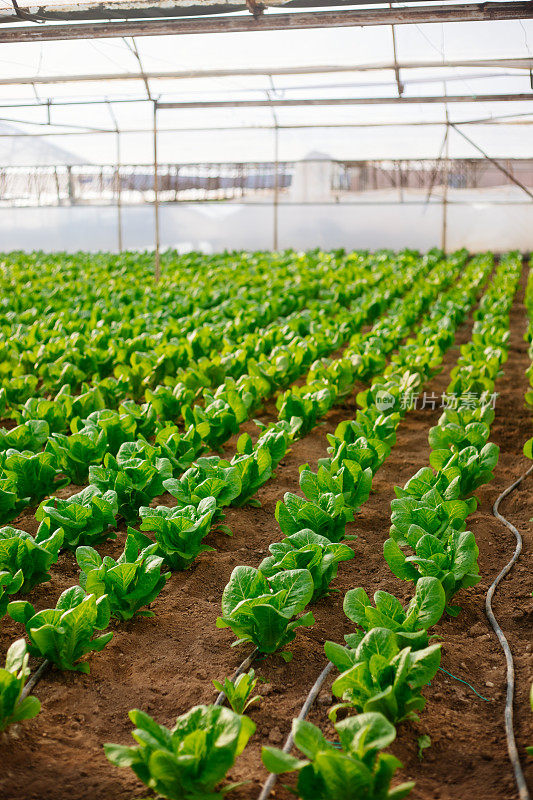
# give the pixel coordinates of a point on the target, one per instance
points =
(266, 400)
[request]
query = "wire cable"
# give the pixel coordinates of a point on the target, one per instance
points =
(523, 791)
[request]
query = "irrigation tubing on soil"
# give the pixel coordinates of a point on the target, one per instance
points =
(311, 697)
(35, 678)
(523, 791)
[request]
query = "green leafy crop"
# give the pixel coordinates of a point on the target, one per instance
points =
(179, 531)
(357, 769)
(307, 550)
(190, 760)
(85, 517)
(20, 551)
(238, 691)
(409, 624)
(263, 611)
(385, 677)
(327, 516)
(64, 634)
(12, 679)
(130, 583)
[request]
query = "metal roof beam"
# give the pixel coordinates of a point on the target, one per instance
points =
(471, 12)
(503, 63)
(352, 101)
(148, 9)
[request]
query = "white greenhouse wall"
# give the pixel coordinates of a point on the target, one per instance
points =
(213, 227)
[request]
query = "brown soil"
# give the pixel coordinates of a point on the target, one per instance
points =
(164, 664)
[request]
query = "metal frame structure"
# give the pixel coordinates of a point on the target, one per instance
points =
(133, 18)
(394, 15)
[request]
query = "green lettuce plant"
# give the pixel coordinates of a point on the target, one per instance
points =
(327, 516)
(135, 481)
(221, 419)
(9, 584)
(52, 412)
(20, 551)
(238, 691)
(209, 477)
(385, 677)
(119, 428)
(130, 582)
(34, 474)
(31, 435)
(307, 550)
(471, 467)
(74, 454)
(410, 624)
(451, 558)
(355, 769)
(191, 759)
(9, 498)
(179, 531)
(347, 479)
(13, 708)
(263, 611)
(181, 449)
(64, 634)
(85, 517)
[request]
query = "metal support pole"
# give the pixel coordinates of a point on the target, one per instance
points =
(276, 165)
(118, 182)
(157, 263)
(118, 191)
(468, 12)
(276, 185)
(444, 234)
(399, 83)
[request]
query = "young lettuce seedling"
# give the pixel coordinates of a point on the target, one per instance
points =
(238, 692)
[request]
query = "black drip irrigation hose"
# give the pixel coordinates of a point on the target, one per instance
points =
(35, 678)
(523, 791)
(287, 747)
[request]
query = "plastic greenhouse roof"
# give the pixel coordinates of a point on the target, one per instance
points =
(122, 99)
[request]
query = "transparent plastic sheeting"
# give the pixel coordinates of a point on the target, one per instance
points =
(476, 224)
(500, 141)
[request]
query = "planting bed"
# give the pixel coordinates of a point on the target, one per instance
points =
(164, 664)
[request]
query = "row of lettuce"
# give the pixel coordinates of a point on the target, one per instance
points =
(262, 605)
(214, 392)
(141, 470)
(265, 606)
(390, 658)
(528, 446)
(125, 586)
